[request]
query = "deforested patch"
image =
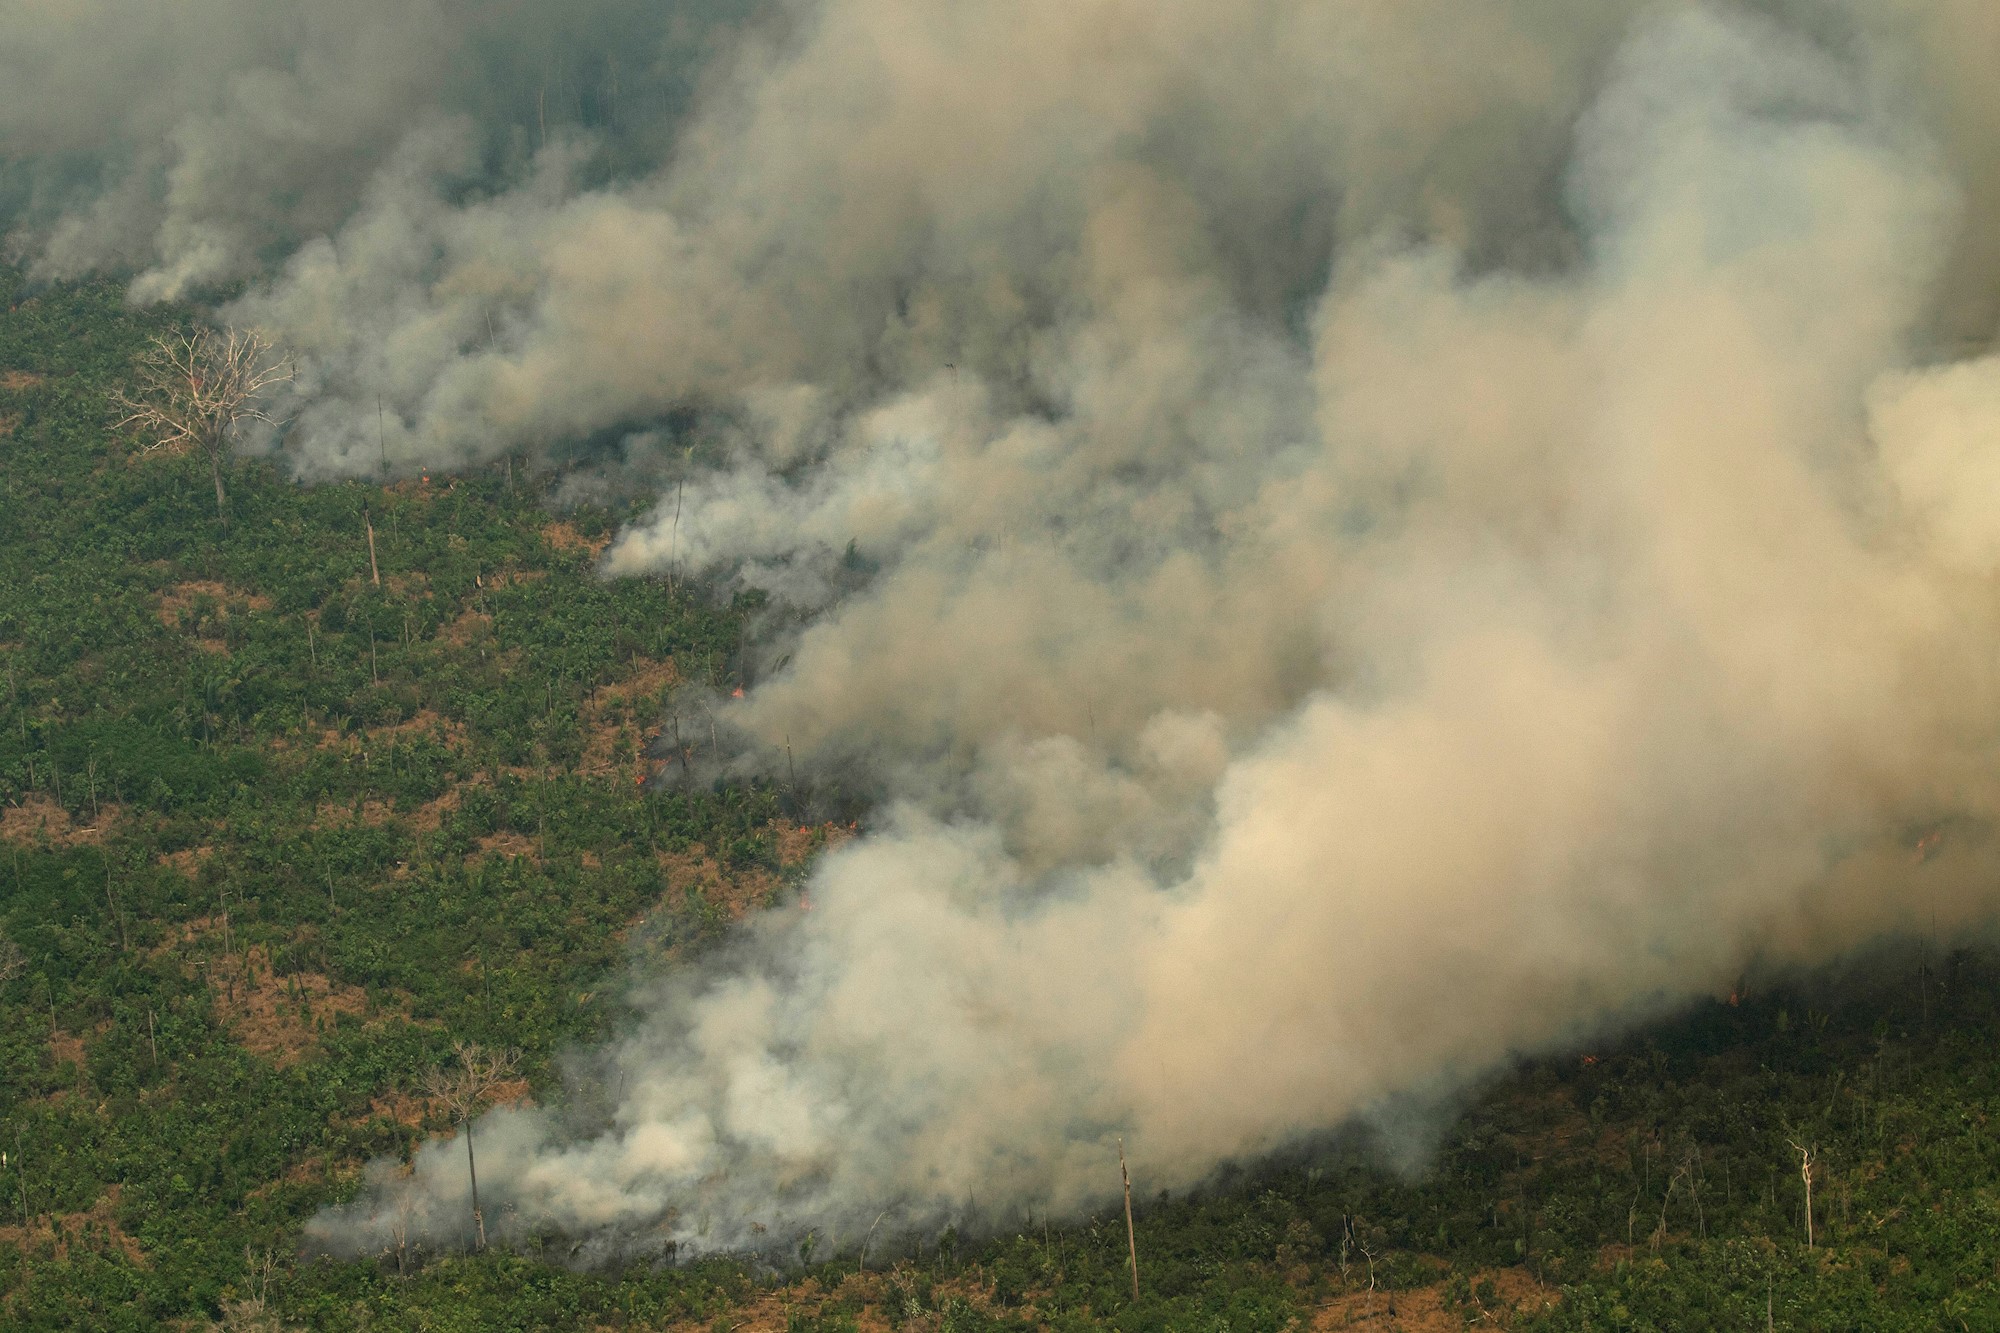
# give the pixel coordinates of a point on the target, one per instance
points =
(1488, 1298)
(61, 1235)
(278, 1016)
(37, 818)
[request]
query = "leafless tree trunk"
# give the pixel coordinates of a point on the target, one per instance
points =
(472, 1171)
(1131, 1235)
(399, 1229)
(464, 1088)
(111, 901)
(195, 388)
(1806, 1162)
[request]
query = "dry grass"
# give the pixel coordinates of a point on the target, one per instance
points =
(273, 1016)
(371, 812)
(563, 536)
(177, 937)
(318, 1170)
(1425, 1310)
(67, 1046)
(739, 893)
(38, 818)
(397, 1107)
(616, 718)
(867, 1296)
(1514, 1292)
(430, 816)
(799, 843)
(177, 601)
(16, 381)
(95, 1230)
(508, 844)
(425, 724)
(472, 626)
(189, 860)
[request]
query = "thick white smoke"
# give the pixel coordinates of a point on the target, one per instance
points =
(1399, 533)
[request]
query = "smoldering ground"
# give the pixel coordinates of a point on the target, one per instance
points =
(1355, 540)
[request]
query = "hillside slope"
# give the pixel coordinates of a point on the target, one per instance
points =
(276, 836)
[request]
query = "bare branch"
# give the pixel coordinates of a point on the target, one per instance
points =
(466, 1084)
(194, 389)
(462, 1088)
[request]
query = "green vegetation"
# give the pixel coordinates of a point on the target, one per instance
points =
(276, 837)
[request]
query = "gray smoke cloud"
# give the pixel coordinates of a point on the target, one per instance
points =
(1360, 539)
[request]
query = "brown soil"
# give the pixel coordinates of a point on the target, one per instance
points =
(427, 724)
(739, 893)
(1424, 1309)
(399, 1107)
(178, 600)
(648, 678)
(371, 812)
(188, 860)
(39, 817)
(66, 1046)
(472, 626)
(798, 843)
(867, 1295)
(563, 536)
(95, 1229)
(14, 381)
(277, 1017)
(508, 844)
(430, 816)
(176, 937)
(618, 717)
(316, 1170)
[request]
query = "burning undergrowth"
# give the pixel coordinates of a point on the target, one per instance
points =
(1342, 542)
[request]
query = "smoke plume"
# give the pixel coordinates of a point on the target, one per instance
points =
(1358, 539)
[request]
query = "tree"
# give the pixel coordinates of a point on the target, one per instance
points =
(1808, 1158)
(252, 1313)
(194, 388)
(464, 1088)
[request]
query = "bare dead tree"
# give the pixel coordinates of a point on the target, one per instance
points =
(1131, 1235)
(252, 1313)
(249, 1315)
(399, 1228)
(463, 1087)
(195, 388)
(12, 960)
(1807, 1161)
